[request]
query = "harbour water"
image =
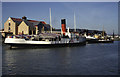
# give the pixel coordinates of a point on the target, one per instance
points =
(91, 59)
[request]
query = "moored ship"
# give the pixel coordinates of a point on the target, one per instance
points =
(45, 41)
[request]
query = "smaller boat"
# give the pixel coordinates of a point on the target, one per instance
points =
(91, 39)
(94, 40)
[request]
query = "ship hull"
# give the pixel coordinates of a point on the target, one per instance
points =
(15, 45)
(98, 41)
(22, 43)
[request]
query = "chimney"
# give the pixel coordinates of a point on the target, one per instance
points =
(63, 25)
(24, 18)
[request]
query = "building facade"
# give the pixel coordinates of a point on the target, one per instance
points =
(22, 25)
(11, 26)
(23, 28)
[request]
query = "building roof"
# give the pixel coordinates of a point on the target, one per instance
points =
(17, 20)
(28, 22)
(47, 25)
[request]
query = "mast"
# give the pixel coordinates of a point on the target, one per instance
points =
(113, 34)
(103, 31)
(50, 21)
(74, 23)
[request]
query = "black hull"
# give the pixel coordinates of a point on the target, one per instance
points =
(97, 41)
(13, 45)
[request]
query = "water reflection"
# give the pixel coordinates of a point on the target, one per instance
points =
(84, 60)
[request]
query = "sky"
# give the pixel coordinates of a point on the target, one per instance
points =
(89, 15)
(60, 0)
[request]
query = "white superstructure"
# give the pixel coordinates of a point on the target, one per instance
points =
(44, 40)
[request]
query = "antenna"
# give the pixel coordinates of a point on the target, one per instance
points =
(50, 21)
(74, 23)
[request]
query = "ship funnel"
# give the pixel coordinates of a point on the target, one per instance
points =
(63, 26)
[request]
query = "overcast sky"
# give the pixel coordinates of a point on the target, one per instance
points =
(89, 15)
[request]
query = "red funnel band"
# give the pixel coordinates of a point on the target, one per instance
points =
(63, 28)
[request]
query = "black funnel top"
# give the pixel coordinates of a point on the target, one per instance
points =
(63, 21)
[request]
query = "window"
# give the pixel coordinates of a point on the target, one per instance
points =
(9, 29)
(30, 32)
(9, 23)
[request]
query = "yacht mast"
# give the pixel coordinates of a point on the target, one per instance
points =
(74, 23)
(50, 21)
